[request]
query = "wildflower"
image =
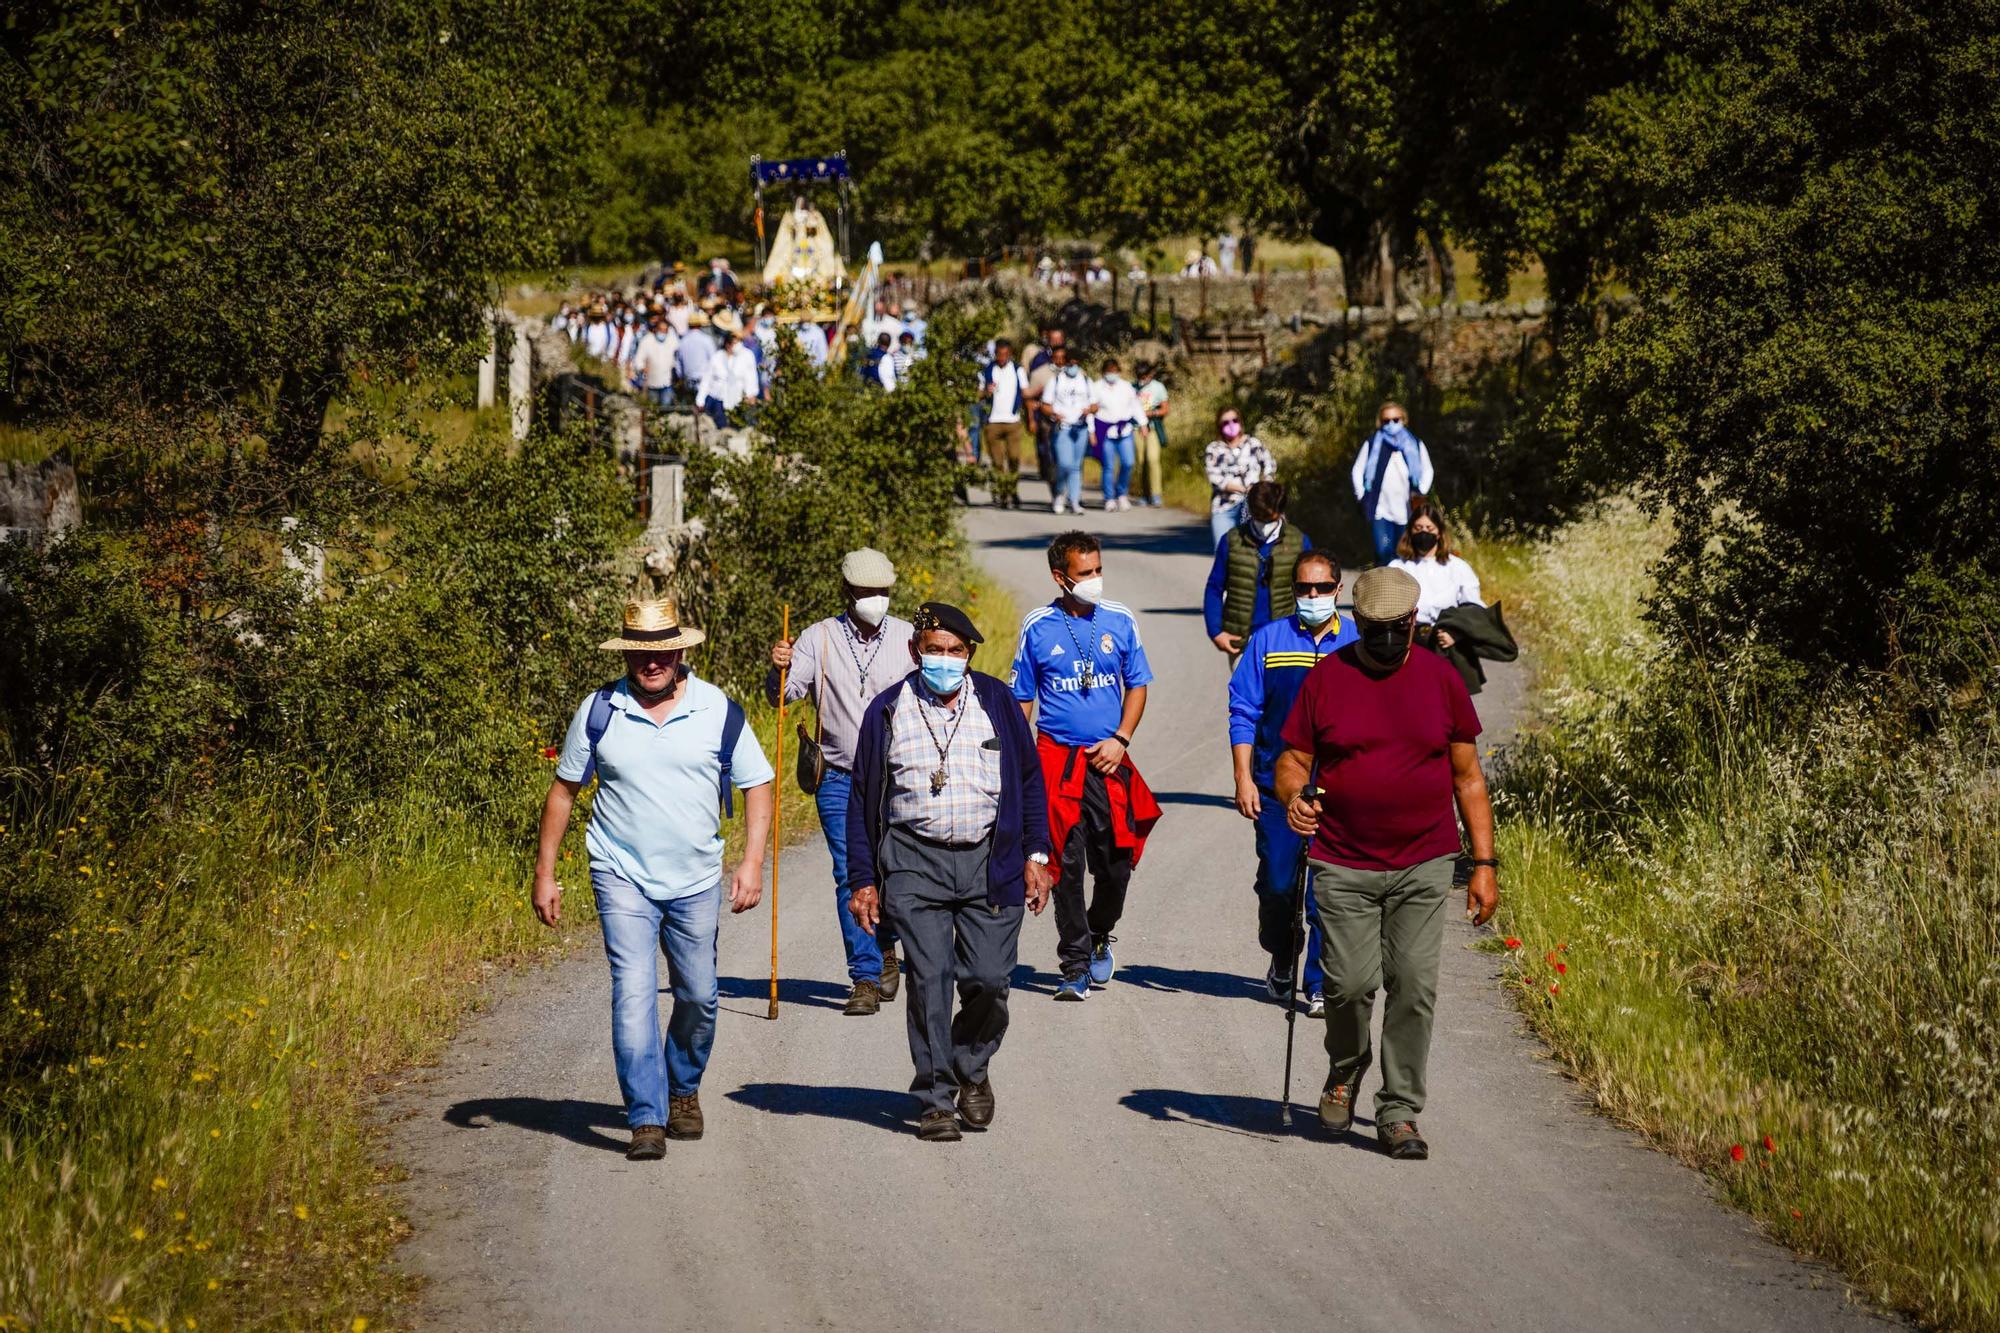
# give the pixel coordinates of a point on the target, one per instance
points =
(84, 871)
(1513, 941)
(1770, 1144)
(138, 1233)
(213, 1284)
(1797, 1214)
(1550, 958)
(301, 1212)
(360, 1325)
(549, 752)
(215, 1133)
(95, 1061)
(1562, 968)
(159, 1182)
(1555, 988)
(345, 956)
(1562, 946)
(1735, 1152)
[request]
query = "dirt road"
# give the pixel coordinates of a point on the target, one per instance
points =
(1134, 1177)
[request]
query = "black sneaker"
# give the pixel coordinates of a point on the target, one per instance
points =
(1279, 984)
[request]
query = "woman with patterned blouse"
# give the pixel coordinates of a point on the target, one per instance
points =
(1235, 463)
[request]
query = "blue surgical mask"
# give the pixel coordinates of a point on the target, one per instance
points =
(1316, 611)
(943, 674)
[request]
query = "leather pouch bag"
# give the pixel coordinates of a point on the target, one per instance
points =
(812, 758)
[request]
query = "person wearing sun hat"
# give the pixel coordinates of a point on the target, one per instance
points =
(1390, 740)
(948, 838)
(667, 749)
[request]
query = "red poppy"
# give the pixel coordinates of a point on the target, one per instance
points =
(549, 752)
(1513, 941)
(1562, 967)
(1550, 958)
(1797, 1213)
(1770, 1144)
(1555, 988)
(1735, 1152)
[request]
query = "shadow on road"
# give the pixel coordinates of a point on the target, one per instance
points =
(564, 1117)
(867, 1106)
(1190, 538)
(791, 990)
(1024, 977)
(1222, 985)
(1257, 1116)
(1194, 798)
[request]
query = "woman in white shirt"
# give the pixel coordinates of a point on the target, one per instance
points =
(1118, 414)
(1443, 580)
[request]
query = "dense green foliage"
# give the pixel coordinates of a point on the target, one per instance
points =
(1766, 928)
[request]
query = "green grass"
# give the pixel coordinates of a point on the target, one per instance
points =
(1766, 943)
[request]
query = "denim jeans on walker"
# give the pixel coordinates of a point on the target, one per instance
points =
(1071, 443)
(1119, 454)
(864, 951)
(636, 928)
(1221, 521)
(1386, 532)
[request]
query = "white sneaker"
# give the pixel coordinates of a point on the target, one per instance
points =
(1124, 502)
(1059, 507)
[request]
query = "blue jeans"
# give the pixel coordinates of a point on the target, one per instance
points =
(1070, 444)
(717, 413)
(662, 396)
(635, 929)
(864, 951)
(1387, 532)
(1278, 853)
(1123, 452)
(1221, 521)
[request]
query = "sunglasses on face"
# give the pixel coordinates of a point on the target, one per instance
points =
(1316, 589)
(1392, 421)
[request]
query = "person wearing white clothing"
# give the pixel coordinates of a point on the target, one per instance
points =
(731, 378)
(1118, 415)
(881, 322)
(1393, 464)
(653, 361)
(1069, 397)
(1443, 578)
(1004, 386)
(812, 341)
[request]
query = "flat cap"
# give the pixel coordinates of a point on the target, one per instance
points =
(944, 616)
(1384, 594)
(867, 568)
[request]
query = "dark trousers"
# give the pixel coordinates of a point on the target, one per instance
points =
(936, 896)
(1089, 847)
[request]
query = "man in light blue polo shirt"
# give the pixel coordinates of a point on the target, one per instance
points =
(1080, 659)
(665, 749)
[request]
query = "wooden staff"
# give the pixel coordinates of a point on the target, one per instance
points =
(778, 814)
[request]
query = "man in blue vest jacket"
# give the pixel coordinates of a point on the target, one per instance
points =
(1275, 662)
(948, 836)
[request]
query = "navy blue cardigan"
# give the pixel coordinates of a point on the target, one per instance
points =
(1023, 822)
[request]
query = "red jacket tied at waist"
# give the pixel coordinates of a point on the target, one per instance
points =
(1133, 809)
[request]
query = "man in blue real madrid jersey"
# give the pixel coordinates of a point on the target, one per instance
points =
(1080, 659)
(1276, 659)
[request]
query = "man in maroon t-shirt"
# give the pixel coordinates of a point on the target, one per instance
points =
(1388, 737)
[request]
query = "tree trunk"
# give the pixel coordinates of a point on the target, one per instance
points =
(1385, 265)
(300, 416)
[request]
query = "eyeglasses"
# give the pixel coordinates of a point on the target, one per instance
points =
(1316, 589)
(1232, 421)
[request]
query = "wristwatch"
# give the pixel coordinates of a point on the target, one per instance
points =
(1039, 858)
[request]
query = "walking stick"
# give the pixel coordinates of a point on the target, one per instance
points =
(1308, 794)
(778, 815)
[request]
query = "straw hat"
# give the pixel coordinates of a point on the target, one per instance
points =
(727, 320)
(653, 627)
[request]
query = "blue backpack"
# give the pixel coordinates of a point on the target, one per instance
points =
(599, 722)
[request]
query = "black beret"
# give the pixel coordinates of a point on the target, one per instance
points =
(940, 615)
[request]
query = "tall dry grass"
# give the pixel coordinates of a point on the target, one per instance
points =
(1766, 934)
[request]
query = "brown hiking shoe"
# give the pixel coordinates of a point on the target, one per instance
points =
(1336, 1105)
(938, 1127)
(649, 1144)
(1402, 1142)
(865, 998)
(684, 1117)
(892, 975)
(975, 1103)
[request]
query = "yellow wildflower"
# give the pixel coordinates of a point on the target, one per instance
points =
(138, 1233)
(301, 1212)
(159, 1182)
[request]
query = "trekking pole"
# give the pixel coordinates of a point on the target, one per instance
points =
(1309, 794)
(778, 815)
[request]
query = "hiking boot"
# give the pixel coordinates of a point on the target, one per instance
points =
(1279, 984)
(649, 1144)
(865, 998)
(892, 975)
(1074, 987)
(1401, 1141)
(1102, 964)
(1336, 1105)
(684, 1117)
(975, 1104)
(938, 1127)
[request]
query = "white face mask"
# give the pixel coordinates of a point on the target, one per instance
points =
(870, 610)
(1267, 531)
(1089, 591)
(1316, 611)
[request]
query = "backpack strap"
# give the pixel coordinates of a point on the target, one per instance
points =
(732, 729)
(594, 727)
